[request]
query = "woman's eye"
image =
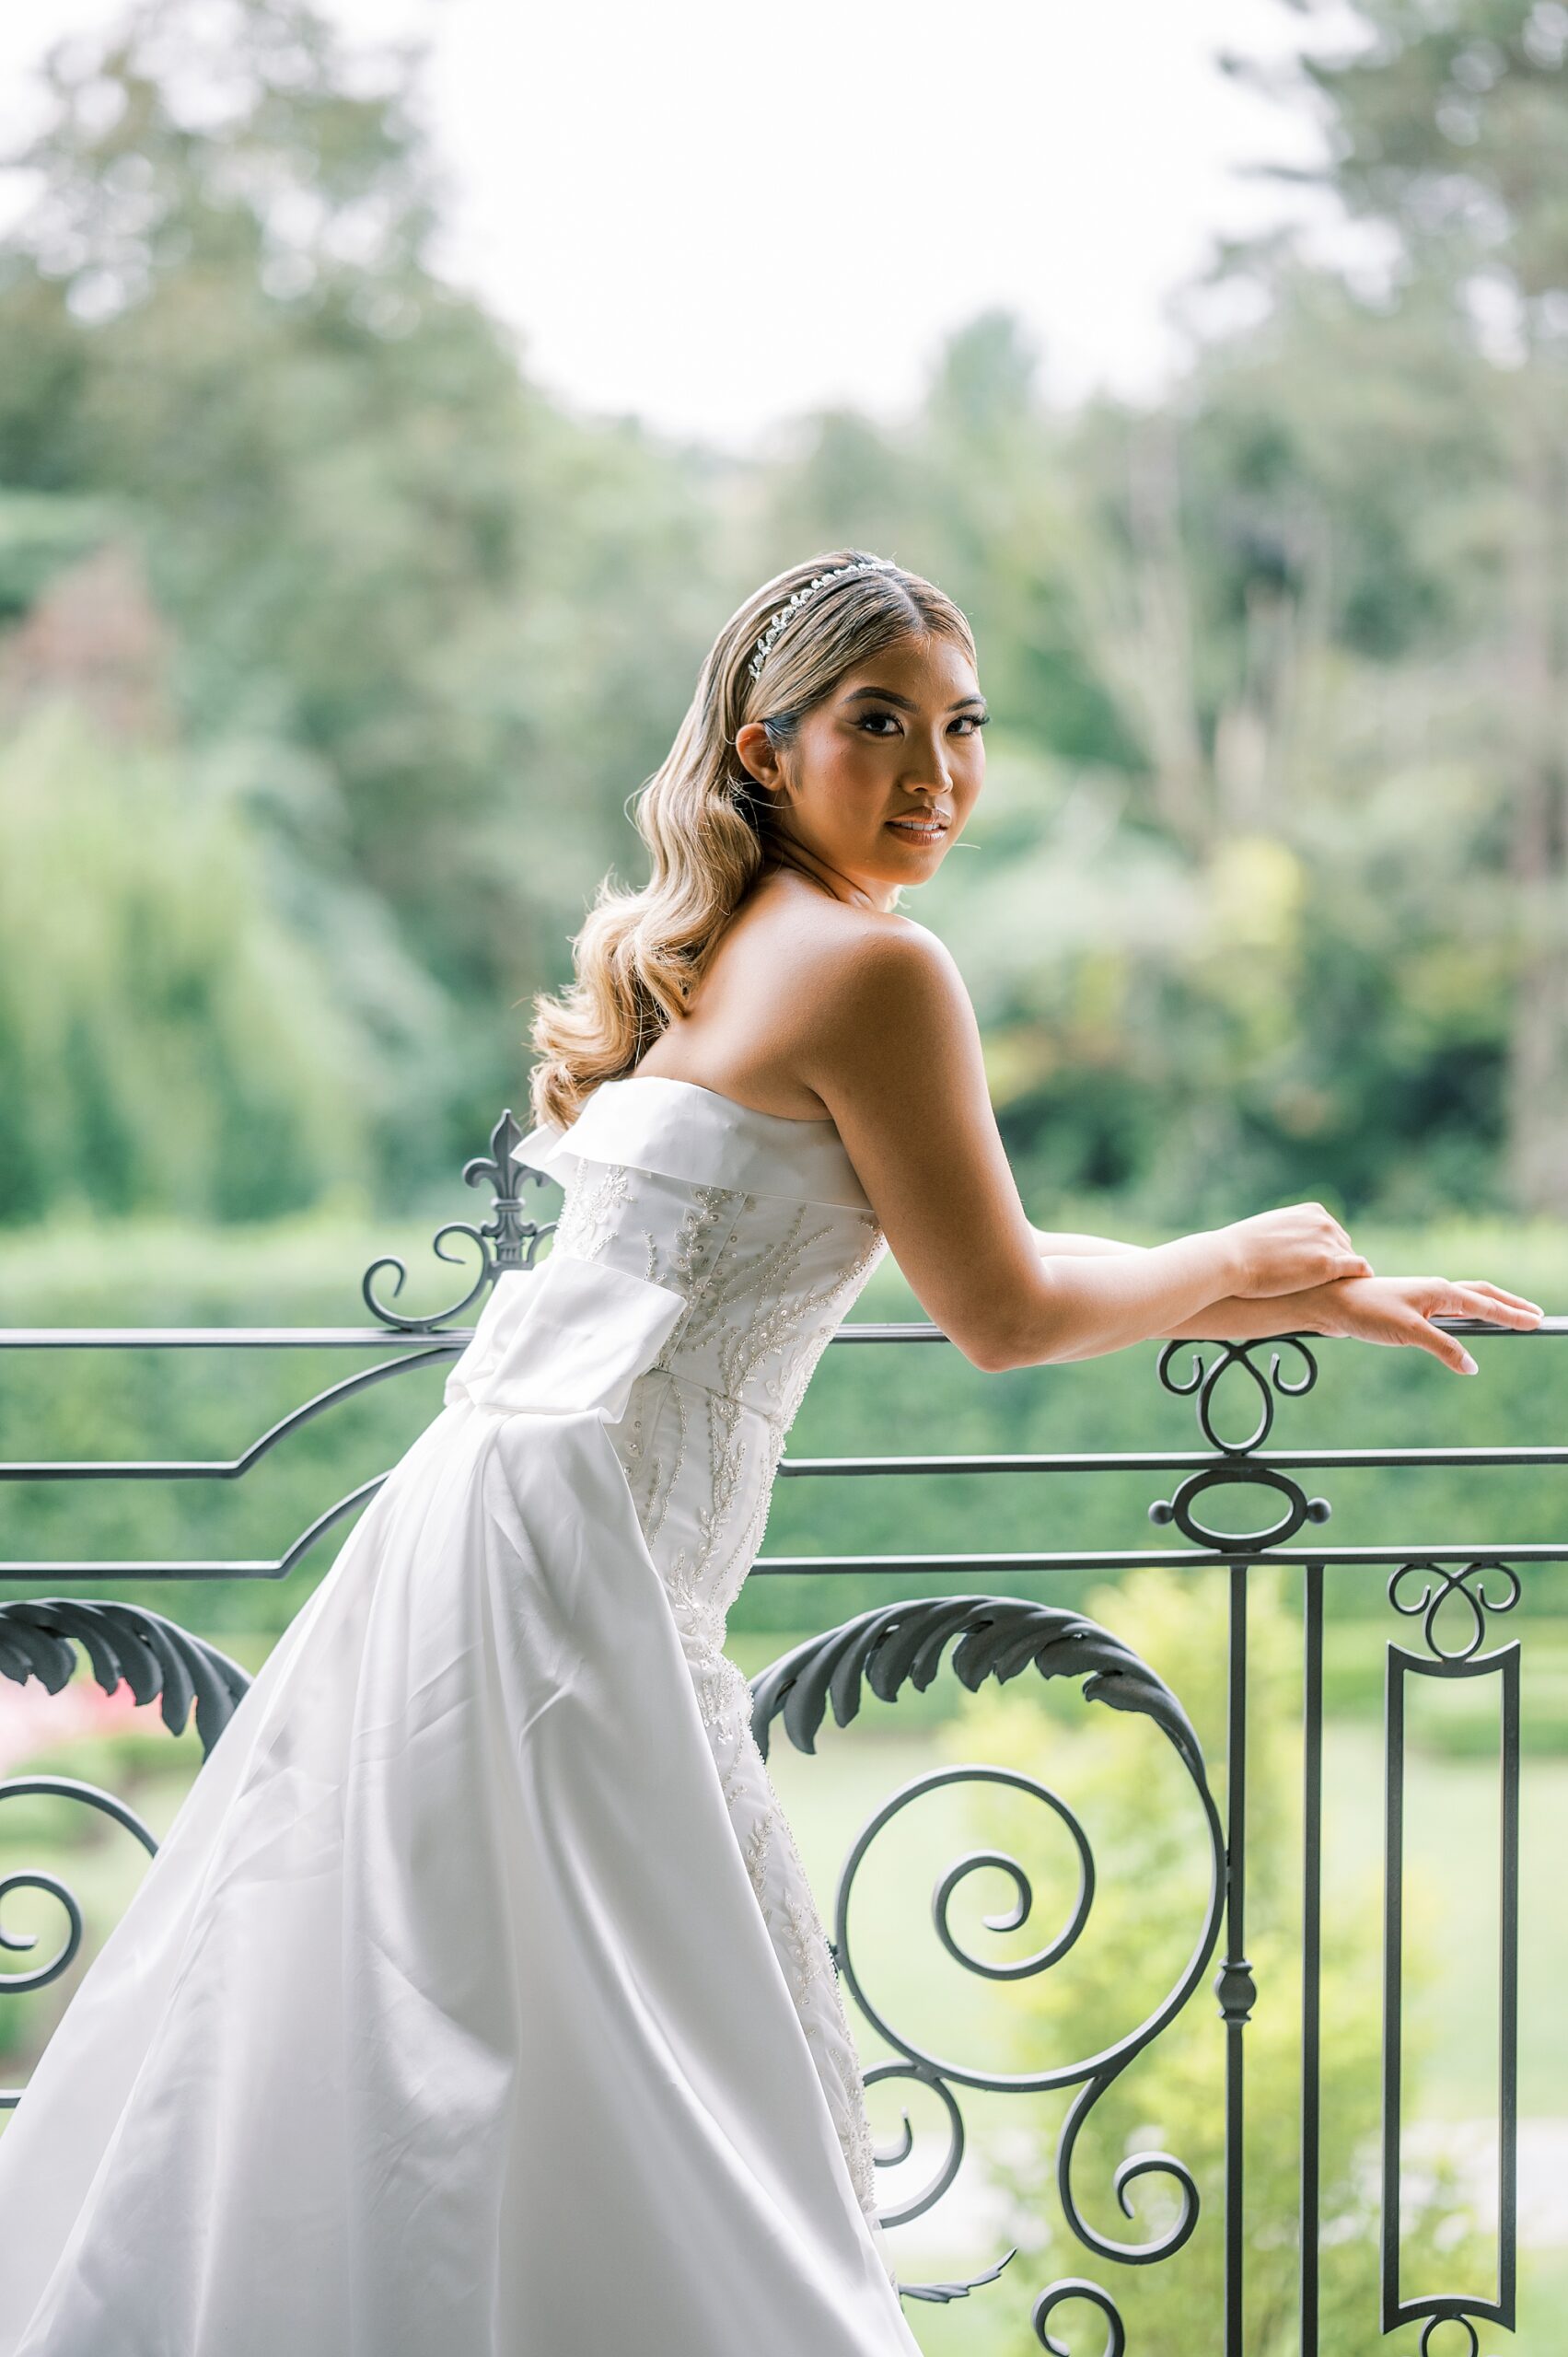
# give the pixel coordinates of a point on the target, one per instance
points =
(977, 720)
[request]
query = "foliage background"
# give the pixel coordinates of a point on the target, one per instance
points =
(300, 571)
(331, 649)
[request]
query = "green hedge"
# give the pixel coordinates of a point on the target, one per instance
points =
(864, 1400)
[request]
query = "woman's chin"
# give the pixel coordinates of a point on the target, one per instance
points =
(900, 859)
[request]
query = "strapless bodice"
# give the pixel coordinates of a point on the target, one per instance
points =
(760, 1226)
(703, 1256)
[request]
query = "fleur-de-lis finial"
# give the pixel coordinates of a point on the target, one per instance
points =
(507, 1240)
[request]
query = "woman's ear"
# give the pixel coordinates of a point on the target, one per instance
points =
(758, 755)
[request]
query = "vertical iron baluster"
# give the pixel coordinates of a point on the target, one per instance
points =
(1503, 1664)
(1235, 1985)
(1311, 1943)
(1508, 1997)
(1393, 1965)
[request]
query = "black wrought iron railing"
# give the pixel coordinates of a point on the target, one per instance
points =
(1452, 1590)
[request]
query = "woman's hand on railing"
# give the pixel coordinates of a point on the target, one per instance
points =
(1399, 1309)
(1289, 1250)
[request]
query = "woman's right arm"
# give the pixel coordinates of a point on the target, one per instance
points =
(885, 1034)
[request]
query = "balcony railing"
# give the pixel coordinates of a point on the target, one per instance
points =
(1452, 1592)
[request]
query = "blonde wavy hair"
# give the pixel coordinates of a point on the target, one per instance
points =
(711, 830)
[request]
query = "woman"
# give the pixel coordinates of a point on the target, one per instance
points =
(476, 2000)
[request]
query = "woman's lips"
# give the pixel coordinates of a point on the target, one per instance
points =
(920, 830)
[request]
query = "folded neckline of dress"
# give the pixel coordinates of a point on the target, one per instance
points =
(680, 1130)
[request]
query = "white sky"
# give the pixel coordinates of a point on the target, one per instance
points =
(718, 214)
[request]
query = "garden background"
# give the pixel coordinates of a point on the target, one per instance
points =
(333, 644)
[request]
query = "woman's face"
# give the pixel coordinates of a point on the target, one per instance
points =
(896, 747)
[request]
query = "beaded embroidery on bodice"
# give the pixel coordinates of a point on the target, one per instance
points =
(766, 1281)
(766, 1274)
(760, 1227)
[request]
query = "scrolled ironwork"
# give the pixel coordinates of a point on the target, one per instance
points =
(947, 2169)
(1023, 1966)
(507, 1240)
(1135, 2164)
(69, 1788)
(92, 1796)
(1079, 2287)
(156, 1659)
(1206, 1381)
(57, 1963)
(926, 2070)
(1428, 1604)
(999, 1636)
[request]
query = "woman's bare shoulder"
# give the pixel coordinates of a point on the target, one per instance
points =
(807, 994)
(834, 958)
(865, 1011)
(853, 979)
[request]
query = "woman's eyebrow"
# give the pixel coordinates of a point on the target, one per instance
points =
(889, 695)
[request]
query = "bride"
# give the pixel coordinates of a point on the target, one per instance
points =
(476, 2002)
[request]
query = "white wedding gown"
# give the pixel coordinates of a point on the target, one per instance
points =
(476, 2003)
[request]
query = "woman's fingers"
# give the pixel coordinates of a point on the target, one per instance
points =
(1407, 1315)
(1512, 1300)
(1479, 1300)
(1446, 1347)
(1492, 1303)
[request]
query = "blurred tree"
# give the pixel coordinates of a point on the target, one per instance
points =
(1009, 538)
(1287, 584)
(443, 605)
(1446, 131)
(131, 867)
(1266, 893)
(183, 1049)
(225, 315)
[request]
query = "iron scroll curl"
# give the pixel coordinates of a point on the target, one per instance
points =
(902, 1643)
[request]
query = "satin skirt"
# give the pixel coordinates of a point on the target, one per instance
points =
(445, 2019)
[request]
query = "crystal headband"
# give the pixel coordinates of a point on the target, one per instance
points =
(803, 595)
